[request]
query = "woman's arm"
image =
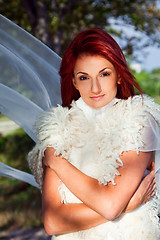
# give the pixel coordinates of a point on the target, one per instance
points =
(100, 198)
(59, 218)
(62, 218)
(144, 192)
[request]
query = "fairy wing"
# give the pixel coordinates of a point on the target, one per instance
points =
(29, 80)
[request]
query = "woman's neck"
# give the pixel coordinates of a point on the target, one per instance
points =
(90, 112)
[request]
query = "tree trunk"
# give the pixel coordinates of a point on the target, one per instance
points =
(37, 14)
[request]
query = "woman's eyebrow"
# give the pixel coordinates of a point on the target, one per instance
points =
(82, 73)
(104, 69)
(87, 73)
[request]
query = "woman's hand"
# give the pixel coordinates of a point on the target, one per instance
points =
(50, 157)
(144, 192)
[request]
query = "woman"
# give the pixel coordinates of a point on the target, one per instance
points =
(97, 147)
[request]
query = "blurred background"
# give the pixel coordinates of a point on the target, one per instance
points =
(135, 25)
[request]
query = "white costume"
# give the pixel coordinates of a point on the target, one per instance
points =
(92, 140)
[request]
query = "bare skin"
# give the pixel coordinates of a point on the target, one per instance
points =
(96, 80)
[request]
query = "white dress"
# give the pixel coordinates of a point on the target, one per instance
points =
(92, 140)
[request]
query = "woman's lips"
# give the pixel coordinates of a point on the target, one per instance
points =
(97, 98)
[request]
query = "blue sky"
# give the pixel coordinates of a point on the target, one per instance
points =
(150, 56)
(152, 59)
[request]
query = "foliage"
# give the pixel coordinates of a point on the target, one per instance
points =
(149, 82)
(56, 22)
(20, 204)
(16, 146)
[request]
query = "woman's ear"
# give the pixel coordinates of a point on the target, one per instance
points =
(74, 82)
(119, 79)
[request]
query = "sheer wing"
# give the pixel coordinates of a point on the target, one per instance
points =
(29, 80)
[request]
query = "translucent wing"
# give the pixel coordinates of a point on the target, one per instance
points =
(29, 79)
(10, 172)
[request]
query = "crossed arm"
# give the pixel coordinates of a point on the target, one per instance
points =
(100, 202)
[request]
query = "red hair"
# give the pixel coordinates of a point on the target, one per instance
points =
(95, 42)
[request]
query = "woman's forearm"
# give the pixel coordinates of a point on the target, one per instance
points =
(71, 217)
(79, 183)
(61, 218)
(100, 198)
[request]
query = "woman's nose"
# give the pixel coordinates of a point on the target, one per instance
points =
(95, 86)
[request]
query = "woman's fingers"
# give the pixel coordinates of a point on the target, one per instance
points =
(149, 184)
(152, 167)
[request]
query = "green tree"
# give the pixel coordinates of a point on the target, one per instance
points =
(56, 22)
(142, 76)
(150, 82)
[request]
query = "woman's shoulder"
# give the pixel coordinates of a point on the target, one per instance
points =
(55, 121)
(138, 100)
(144, 106)
(56, 114)
(52, 116)
(141, 100)
(49, 122)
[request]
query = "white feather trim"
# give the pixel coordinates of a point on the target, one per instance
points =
(93, 147)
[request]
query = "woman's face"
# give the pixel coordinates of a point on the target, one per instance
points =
(96, 80)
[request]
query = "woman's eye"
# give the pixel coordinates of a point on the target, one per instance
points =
(83, 77)
(105, 74)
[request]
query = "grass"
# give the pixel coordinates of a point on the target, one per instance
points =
(3, 118)
(157, 99)
(20, 203)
